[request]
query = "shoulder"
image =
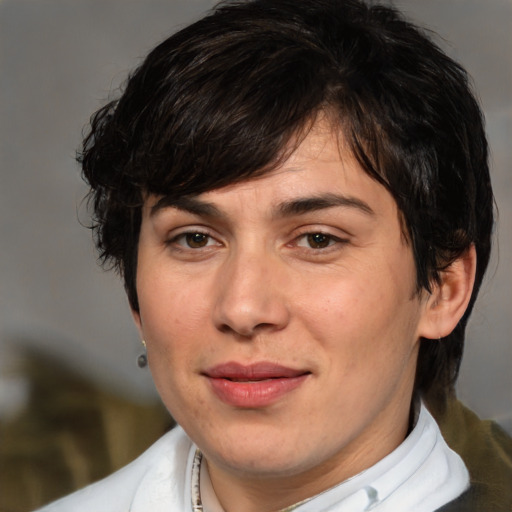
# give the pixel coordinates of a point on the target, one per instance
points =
(478, 499)
(487, 452)
(167, 459)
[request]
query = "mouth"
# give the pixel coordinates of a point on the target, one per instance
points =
(253, 386)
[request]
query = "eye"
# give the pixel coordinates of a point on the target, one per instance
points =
(193, 240)
(317, 240)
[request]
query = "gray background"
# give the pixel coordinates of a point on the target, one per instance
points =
(58, 61)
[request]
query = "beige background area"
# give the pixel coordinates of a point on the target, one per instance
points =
(59, 60)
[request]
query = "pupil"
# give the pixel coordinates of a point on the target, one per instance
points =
(318, 240)
(196, 240)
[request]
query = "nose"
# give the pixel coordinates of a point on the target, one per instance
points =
(251, 291)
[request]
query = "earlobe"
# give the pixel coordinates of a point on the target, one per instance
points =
(450, 298)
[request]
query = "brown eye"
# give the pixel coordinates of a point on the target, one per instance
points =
(196, 240)
(319, 240)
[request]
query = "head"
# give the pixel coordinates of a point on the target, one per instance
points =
(231, 97)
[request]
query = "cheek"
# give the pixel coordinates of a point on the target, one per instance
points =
(170, 304)
(175, 335)
(339, 309)
(363, 322)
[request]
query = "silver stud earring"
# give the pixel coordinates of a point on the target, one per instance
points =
(142, 359)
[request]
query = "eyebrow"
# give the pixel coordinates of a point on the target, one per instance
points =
(189, 204)
(304, 205)
(298, 206)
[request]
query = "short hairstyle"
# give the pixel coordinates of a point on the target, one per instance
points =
(230, 96)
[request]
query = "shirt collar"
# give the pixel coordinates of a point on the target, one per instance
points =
(421, 470)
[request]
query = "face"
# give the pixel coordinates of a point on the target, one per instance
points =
(281, 318)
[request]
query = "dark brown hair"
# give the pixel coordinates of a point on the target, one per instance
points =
(221, 100)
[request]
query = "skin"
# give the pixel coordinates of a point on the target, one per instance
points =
(247, 279)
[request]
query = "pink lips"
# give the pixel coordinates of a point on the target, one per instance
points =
(255, 385)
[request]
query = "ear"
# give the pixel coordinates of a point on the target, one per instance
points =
(450, 298)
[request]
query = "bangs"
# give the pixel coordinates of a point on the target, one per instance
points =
(224, 118)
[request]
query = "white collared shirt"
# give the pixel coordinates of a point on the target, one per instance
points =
(420, 475)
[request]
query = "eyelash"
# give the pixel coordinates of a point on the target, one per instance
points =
(318, 237)
(322, 237)
(175, 240)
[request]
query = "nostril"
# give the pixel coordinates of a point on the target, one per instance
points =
(248, 332)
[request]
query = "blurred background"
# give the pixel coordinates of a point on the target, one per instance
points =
(64, 323)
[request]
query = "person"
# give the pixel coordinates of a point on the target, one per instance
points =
(297, 197)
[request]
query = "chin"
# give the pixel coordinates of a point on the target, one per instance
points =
(268, 459)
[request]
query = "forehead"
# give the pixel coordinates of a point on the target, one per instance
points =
(321, 170)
